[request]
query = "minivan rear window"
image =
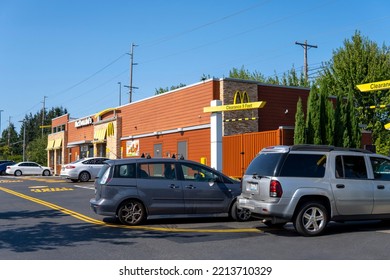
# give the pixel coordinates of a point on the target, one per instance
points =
(264, 164)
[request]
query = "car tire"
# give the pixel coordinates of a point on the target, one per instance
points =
(18, 173)
(84, 176)
(311, 219)
(240, 215)
(131, 212)
(46, 173)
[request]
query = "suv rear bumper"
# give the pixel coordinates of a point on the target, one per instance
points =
(263, 210)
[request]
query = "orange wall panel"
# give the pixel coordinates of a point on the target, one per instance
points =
(198, 144)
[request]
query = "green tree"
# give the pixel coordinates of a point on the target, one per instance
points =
(36, 150)
(313, 119)
(300, 127)
(166, 89)
(360, 61)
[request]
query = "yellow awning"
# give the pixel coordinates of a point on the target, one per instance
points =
(100, 135)
(50, 145)
(57, 144)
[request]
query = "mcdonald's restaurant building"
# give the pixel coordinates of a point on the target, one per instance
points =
(180, 123)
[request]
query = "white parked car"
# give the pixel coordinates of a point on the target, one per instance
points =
(28, 168)
(83, 169)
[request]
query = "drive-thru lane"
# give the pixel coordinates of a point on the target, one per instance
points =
(73, 200)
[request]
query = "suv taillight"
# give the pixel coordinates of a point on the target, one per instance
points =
(275, 189)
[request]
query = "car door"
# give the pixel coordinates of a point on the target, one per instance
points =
(25, 168)
(159, 188)
(34, 169)
(204, 190)
(380, 167)
(352, 189)
(96, 165)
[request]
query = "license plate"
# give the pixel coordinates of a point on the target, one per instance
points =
(252, 187)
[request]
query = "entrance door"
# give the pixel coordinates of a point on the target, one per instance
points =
(157, 150)
(182, 149)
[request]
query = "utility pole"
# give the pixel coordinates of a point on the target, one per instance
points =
(131, 72)
(9, 131)
(0, 121)
(43, 113)
(120, 93)
(24, 140)
(305, 46)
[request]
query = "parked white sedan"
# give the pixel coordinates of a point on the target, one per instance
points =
(28, 168)
(83, 169)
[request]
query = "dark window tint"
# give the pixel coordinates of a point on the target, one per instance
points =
(304, 165)
(125, 171)
(193, 172)
(100, 160)
(157, 171)
(351, 167)
(380, 168)
(264, 164)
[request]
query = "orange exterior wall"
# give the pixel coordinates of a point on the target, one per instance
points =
(197, 144)
(176, 109)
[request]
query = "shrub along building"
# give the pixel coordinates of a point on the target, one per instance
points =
(220, 122)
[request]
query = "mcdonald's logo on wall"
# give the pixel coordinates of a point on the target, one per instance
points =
(241, 97)
(240, 102)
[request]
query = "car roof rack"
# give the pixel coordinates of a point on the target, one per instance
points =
(326, 148)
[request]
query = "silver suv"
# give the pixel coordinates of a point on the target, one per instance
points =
(311, 185)
(140, 188)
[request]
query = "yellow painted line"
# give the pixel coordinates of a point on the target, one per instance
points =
(101, 223)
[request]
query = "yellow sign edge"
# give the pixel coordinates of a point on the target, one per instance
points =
(235, 107)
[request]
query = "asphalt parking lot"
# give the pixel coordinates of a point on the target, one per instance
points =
(61, 195)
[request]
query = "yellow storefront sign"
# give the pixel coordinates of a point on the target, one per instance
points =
(235, 107)
(374, 86)
(241, 102)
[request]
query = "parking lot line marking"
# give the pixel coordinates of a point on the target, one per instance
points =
(101, 223)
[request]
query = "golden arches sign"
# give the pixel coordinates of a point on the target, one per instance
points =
(240, 97)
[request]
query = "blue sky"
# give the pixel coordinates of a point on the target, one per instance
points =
(75, 52)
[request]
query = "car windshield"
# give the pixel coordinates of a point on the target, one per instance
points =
(264, 164)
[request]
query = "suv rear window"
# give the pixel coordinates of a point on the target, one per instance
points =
(304, 165)
(264, 164)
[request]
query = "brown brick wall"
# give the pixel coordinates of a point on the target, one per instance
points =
(281, 106)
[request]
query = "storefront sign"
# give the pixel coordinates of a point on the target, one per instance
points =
(83, 122)
(241, 102)
(374, 86)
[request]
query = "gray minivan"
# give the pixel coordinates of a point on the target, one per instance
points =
(139, 188)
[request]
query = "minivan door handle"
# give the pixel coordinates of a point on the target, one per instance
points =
(380, 187)
(340, 186)
(173, 186)
(191, 187)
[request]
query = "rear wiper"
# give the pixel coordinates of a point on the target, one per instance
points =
(255, 176)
